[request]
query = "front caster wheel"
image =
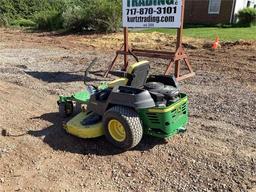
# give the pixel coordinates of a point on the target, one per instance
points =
(66, 109)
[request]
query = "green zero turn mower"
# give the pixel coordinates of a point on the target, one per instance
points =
(125, 109)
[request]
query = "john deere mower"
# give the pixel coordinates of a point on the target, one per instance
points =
(125, 109)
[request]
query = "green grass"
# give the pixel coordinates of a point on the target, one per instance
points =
(225, 34)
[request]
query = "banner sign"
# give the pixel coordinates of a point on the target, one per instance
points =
(152, 13)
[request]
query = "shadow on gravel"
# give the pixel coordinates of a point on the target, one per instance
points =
(98, 73)
(56, 137)
(58, 77)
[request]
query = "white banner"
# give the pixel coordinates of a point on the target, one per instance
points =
(152, 13)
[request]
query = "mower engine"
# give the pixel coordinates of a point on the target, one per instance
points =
(171, 111)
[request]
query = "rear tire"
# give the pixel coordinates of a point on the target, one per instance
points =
(122, 127)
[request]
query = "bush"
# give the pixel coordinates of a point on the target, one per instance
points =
(101, 15)
(247, 17)
(75, 19)
(15, 9)
(23, 23)
(76, 15)
(25, 12)
(3, 21)
(48, 20)
(108, 15)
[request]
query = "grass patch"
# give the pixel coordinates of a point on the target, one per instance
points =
(225, 34)
(22, 23)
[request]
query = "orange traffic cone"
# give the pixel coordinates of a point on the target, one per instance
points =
(216, 43)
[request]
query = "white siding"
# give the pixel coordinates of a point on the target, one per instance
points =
(240, 4)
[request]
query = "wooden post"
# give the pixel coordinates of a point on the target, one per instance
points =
(179, 40)
(126, 48)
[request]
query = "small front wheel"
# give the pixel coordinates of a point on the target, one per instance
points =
(122, 127)
(66, 109)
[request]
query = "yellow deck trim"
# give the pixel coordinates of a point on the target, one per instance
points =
(170, 108)
(74, 127)
(118, 82)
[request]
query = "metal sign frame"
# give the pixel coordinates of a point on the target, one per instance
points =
(175, 58)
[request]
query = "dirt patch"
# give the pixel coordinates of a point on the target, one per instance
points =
(217, 153)
(237, 43)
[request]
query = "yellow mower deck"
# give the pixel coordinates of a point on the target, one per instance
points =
(74, 127)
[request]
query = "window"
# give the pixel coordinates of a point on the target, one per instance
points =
(249, 4)
(214, 6)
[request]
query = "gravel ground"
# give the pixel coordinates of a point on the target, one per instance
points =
(217, 153)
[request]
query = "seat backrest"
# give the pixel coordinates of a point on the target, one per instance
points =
(138, 74)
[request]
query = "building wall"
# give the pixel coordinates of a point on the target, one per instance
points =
(196, 12)
(240, 4)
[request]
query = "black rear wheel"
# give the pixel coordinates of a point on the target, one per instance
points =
(122, 127)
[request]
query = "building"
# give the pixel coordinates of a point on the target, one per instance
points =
(214, 11)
